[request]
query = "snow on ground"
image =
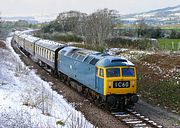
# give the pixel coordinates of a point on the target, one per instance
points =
(28, 101)
(132, 55)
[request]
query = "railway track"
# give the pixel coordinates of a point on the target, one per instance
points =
(130, 117)
(136, 120)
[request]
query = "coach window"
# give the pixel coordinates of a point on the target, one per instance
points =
(53, 57)
(44, 52)
(41, 51)
(101, 72)
(47, 54)
(50, 55)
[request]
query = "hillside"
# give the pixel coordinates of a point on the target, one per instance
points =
(169, 15)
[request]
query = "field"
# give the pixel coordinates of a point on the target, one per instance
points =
(170, 44)
(171, 27)
(158, 76)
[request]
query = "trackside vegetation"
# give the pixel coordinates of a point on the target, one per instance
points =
(159, 80)
(164, 93)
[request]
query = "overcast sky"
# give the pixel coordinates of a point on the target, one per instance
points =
(43, 7)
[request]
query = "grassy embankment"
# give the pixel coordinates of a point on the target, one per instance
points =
(159, 80)
(165, 94)
(170, 44)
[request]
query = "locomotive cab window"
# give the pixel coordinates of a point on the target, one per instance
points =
(101, 73)
(113, 72)
(129, 72)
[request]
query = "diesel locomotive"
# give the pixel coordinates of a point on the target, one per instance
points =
(103, 77)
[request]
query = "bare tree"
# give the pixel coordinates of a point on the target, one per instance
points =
(98, 26)
(101, 24)
(141, 27)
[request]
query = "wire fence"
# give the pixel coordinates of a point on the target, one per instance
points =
(171, 46)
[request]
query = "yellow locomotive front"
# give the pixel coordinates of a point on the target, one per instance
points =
(120, 80)
(120, 86)
(120, 83)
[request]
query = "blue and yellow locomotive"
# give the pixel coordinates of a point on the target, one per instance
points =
(108, 78)
(111, 79)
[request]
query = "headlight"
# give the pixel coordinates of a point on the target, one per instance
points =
(133, 83)
(109, 84)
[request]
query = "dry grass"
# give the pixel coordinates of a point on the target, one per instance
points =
(159, 80)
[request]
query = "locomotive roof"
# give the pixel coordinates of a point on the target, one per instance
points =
(94, 57)
(111, 61)
(52, 45)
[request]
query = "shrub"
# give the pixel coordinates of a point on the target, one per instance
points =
(127, 42)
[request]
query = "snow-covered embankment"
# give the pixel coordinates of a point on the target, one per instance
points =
(28, 101)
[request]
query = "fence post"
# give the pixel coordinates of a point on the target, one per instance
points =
(179, 46)
(165, 47)
(172, 46)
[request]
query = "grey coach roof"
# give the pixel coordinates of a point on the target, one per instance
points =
(49, 44)
(32, 39)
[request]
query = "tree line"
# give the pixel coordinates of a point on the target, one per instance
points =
(93, 28)
(98, 28)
